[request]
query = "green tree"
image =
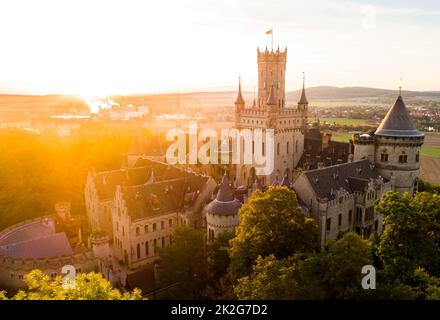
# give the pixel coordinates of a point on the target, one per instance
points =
(334, 273)
(88, 286)
(184, 261)
(410, 237)
(270, 223)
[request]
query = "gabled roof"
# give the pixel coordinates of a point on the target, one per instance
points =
(397, 122)
(351, 176)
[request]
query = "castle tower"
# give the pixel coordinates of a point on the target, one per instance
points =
(222, 212)
(271, 112)
(271, 71)
(397, 151)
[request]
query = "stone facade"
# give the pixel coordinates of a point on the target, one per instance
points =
(271, 112)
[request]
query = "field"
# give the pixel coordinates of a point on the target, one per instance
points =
(430, 155)
(348, 121)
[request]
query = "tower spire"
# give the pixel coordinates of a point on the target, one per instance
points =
(400, 86)
(239, 100)
(303, 99)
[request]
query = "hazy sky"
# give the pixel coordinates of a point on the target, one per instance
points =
(106, 47)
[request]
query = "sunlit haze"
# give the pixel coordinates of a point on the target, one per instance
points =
(92, 48)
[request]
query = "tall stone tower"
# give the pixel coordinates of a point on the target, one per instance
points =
(394, 148)
(398, 145)
(271, 112)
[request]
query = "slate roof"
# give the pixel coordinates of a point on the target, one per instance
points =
(397, 122)
(303, 99)
(352, 176)
(335, 153)
(239, 99)
(225, 203)
(164, 196)
(106, 181)
(48, 246)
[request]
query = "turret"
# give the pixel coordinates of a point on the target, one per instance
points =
(398, 145)
(303, 103)
(239, 102)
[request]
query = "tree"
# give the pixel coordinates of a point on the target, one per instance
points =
(341, 266)
(88, 286)
(271, 223)
(334, 273)
(184, 261)
(281, 279)
(410, 238)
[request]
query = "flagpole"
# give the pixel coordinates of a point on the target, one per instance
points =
(271, 34)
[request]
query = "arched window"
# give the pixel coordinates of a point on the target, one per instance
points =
(147, 248)
(138, 251)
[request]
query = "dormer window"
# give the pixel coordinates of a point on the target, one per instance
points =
(155, 203)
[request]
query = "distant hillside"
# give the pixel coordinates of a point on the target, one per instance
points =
(328, 92)
(228, 97)
(161, 102)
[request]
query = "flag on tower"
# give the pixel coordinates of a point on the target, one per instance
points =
(269, 31)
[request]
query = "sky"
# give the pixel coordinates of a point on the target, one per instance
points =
(94, 48)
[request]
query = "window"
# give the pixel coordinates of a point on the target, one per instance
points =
(278, 149)
(138, 251)
(146, 228)
(403, 158)
(162, 225)
(341, 199)
(329, 223)
(263, 150)
(123, 231)
(163, 242)
(170, 223)
(154, 227)
(147, 248)
(384, 157)
(417, 157)
(340, 219)
(287, 147)
(138, 232)
(358, 214)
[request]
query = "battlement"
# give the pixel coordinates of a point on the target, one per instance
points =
(272, 55)
(43, 263)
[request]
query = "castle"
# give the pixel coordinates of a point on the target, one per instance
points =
(338, 185)
(134, 210)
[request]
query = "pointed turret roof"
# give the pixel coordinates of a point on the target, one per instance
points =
(225, 203)
(271, 99)
(303, 99)
(239, 99)
(397, 122)
(225, 190)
